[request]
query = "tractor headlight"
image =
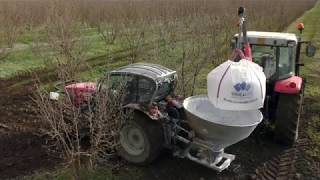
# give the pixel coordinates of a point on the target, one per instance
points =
(54, 96)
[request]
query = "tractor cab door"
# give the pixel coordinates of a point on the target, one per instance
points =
(146, 89)
(121, 83)
(138, 89)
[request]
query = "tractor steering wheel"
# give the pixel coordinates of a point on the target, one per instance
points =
(268, 54)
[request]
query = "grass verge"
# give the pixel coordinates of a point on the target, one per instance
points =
(311, 71)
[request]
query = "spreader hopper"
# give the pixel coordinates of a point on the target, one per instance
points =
(220, 128)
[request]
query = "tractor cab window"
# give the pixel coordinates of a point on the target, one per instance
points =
(146, 88)
(286, 57)
(118, 82)
(164, 89)
(121, 81)
(265, 56)
(275, 60)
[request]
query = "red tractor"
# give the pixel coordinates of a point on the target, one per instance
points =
(279, 55)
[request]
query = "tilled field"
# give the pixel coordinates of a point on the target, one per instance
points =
(293, 163)
(22, 151)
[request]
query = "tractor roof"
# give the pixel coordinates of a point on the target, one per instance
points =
(271, 38)
(153, 71)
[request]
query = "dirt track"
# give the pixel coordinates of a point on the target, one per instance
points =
(22, 152)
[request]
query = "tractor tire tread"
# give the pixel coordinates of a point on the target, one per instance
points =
(288, 117)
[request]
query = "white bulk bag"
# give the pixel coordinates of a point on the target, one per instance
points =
(237, 86)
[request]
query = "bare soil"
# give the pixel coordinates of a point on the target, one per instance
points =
(23, 152)
(250, 154)
(21, 149)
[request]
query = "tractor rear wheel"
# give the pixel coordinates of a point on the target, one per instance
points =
(141, 140)
(287, 118)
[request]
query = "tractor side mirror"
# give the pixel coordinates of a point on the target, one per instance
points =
(311, 50)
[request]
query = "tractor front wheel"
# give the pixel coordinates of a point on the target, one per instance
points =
(141, 140)
(287, 118)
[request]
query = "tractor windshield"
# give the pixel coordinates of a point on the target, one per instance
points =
(165, 88)
(277, 62)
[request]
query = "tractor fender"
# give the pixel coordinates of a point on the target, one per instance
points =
(143, 111)
(292, 85)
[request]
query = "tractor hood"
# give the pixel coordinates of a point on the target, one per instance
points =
(81, 87)
(81, 92)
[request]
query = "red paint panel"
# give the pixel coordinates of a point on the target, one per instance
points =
(247, 52)
(291, 85)
(81, 92)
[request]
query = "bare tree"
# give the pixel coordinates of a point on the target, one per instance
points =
(10, 28)
(87, 134)
(108, 32)
(66, 49)
(133, 38)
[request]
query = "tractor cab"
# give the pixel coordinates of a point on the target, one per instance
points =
(278, 53)
(275, 52)
(144, 83)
